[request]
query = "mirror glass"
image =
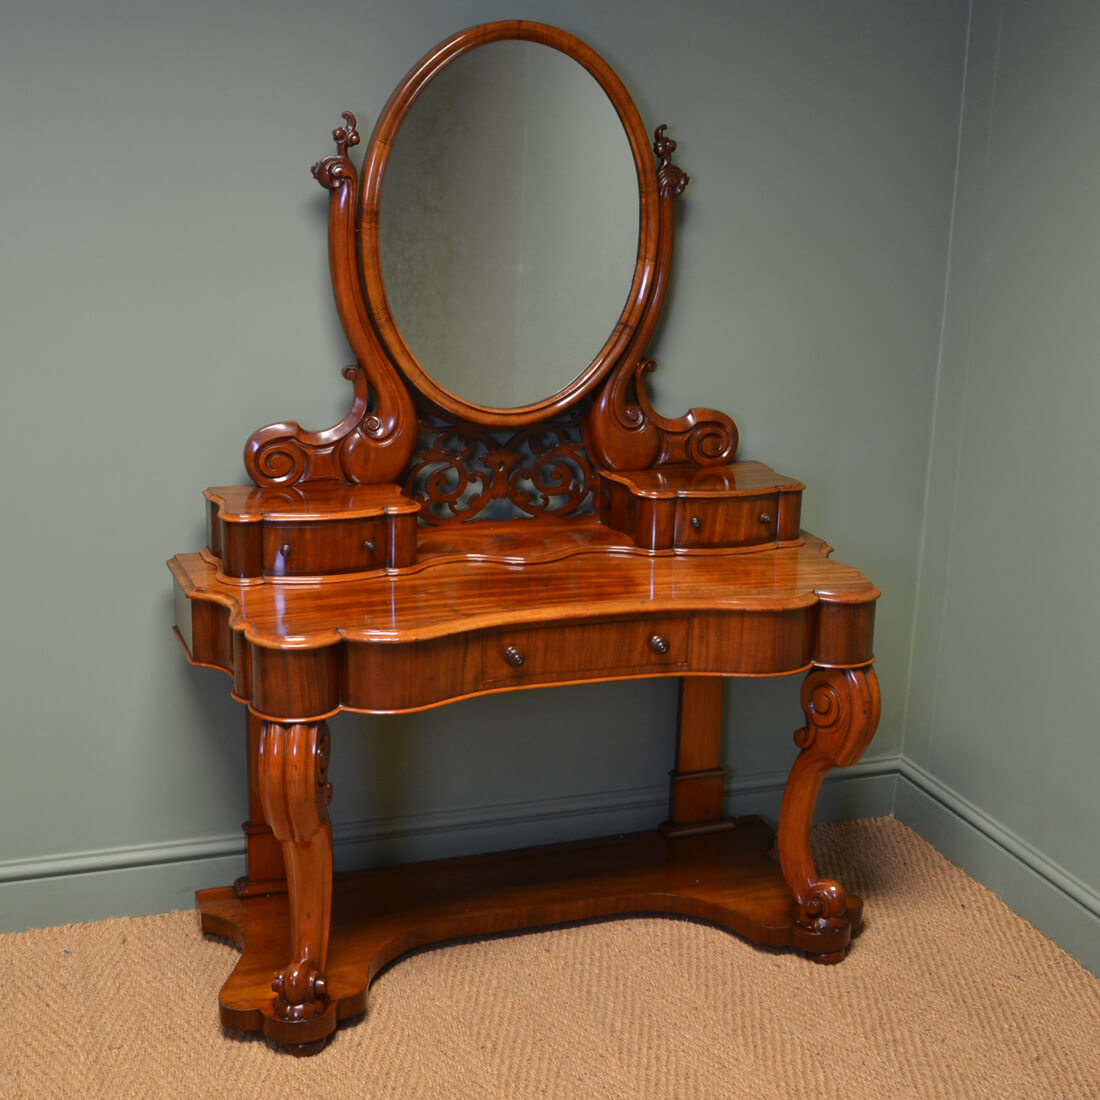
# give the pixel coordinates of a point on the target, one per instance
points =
(508, 224)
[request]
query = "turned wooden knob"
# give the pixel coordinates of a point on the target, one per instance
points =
(368, 545)
(514, 657)
(696, 522)
(658, 643)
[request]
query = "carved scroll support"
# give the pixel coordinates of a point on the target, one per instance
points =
(623, 430)
(374, 442)
(293, 766)
(842, 709)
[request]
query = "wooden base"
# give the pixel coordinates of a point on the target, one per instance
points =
(727, 877)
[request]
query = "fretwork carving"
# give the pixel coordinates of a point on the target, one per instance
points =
(461, 472)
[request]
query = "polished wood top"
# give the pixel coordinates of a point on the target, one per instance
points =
(578, 578)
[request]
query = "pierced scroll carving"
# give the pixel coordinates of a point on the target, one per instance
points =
(842, 709)
(461, 472)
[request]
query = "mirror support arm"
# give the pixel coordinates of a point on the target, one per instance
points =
(623, 431)
(370, 445)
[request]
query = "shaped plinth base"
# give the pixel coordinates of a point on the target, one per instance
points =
(728, 878)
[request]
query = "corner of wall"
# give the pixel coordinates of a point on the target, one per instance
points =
(1056, 902)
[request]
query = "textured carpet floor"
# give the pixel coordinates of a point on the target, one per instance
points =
(946, 994)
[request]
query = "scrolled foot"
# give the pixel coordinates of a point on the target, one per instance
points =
(300, 992)
(824, 909)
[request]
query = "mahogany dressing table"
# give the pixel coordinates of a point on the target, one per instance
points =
(430, 547)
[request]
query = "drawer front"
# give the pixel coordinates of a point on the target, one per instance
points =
(332, 546)
(586, 651)
(730, 521)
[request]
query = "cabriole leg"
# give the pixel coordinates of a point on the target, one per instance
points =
(842, 710)
(293, 767)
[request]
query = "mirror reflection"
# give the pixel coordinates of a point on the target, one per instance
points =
(508, 224)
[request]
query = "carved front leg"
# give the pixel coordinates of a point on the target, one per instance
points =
(293, 766)
(842, 710)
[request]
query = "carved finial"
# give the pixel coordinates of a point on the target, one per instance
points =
(348, 137)
(332, 170)
(671, 179)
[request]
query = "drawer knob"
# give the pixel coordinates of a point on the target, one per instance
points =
(766, 517)
(284, 550)
(368, 545)
(696, 522)
(514, 657)
(658, 643)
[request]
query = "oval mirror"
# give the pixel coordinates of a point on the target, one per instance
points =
(505, 196)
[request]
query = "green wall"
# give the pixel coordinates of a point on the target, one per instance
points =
(165, 292)
(1001, 756)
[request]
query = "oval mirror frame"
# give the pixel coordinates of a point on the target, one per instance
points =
(641, 294)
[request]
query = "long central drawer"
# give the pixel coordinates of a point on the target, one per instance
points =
(539, 654)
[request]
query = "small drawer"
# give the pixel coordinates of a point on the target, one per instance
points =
(745, 506)
(732, 521)
(588, 651)
(330, 546)
(310, 530)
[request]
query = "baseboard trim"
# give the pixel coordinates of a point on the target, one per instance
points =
(1058, 903)
(104, 860)
(865, 789)
(150, 878)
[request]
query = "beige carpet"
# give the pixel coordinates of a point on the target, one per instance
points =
(946, 994)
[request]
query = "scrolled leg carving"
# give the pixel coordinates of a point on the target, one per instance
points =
(295, 791)
(842, 709)
(302, 993)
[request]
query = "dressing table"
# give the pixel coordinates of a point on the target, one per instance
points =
(460, 532)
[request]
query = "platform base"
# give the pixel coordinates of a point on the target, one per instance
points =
(729, 878)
